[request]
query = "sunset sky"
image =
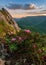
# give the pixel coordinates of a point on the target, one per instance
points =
(23, 8)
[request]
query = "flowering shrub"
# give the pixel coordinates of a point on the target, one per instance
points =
(13, 39)
(27, 31)
(29, 46)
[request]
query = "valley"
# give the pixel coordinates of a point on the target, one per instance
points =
(34, 23)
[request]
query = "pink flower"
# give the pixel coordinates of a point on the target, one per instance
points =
(27, 31)
(12, 33)
(34, 46)
(43, 57)
(13, 39)
(20, 39)
(39, 51)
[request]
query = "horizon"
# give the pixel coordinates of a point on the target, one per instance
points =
(24, 8)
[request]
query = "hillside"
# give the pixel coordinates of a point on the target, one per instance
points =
(26, 48)
(22, 47)
(34, 23)
(7, 24)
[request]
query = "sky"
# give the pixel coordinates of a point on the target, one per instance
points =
(23, 8)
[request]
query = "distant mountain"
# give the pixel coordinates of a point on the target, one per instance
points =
(7, 24)
(17, 19)
(35, 23)
(42, 26)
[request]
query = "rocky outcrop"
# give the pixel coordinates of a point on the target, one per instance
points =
(10, 19)
(7, 24)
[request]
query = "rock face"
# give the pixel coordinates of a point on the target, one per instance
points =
(2, 62)
(7, 24)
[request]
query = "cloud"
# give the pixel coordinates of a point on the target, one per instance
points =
(23, 10)
(43, 11)
(22, 6)
(30, 6)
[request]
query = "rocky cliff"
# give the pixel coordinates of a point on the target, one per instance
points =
(7, 24)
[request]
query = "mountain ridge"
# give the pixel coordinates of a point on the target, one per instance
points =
(33, 22)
